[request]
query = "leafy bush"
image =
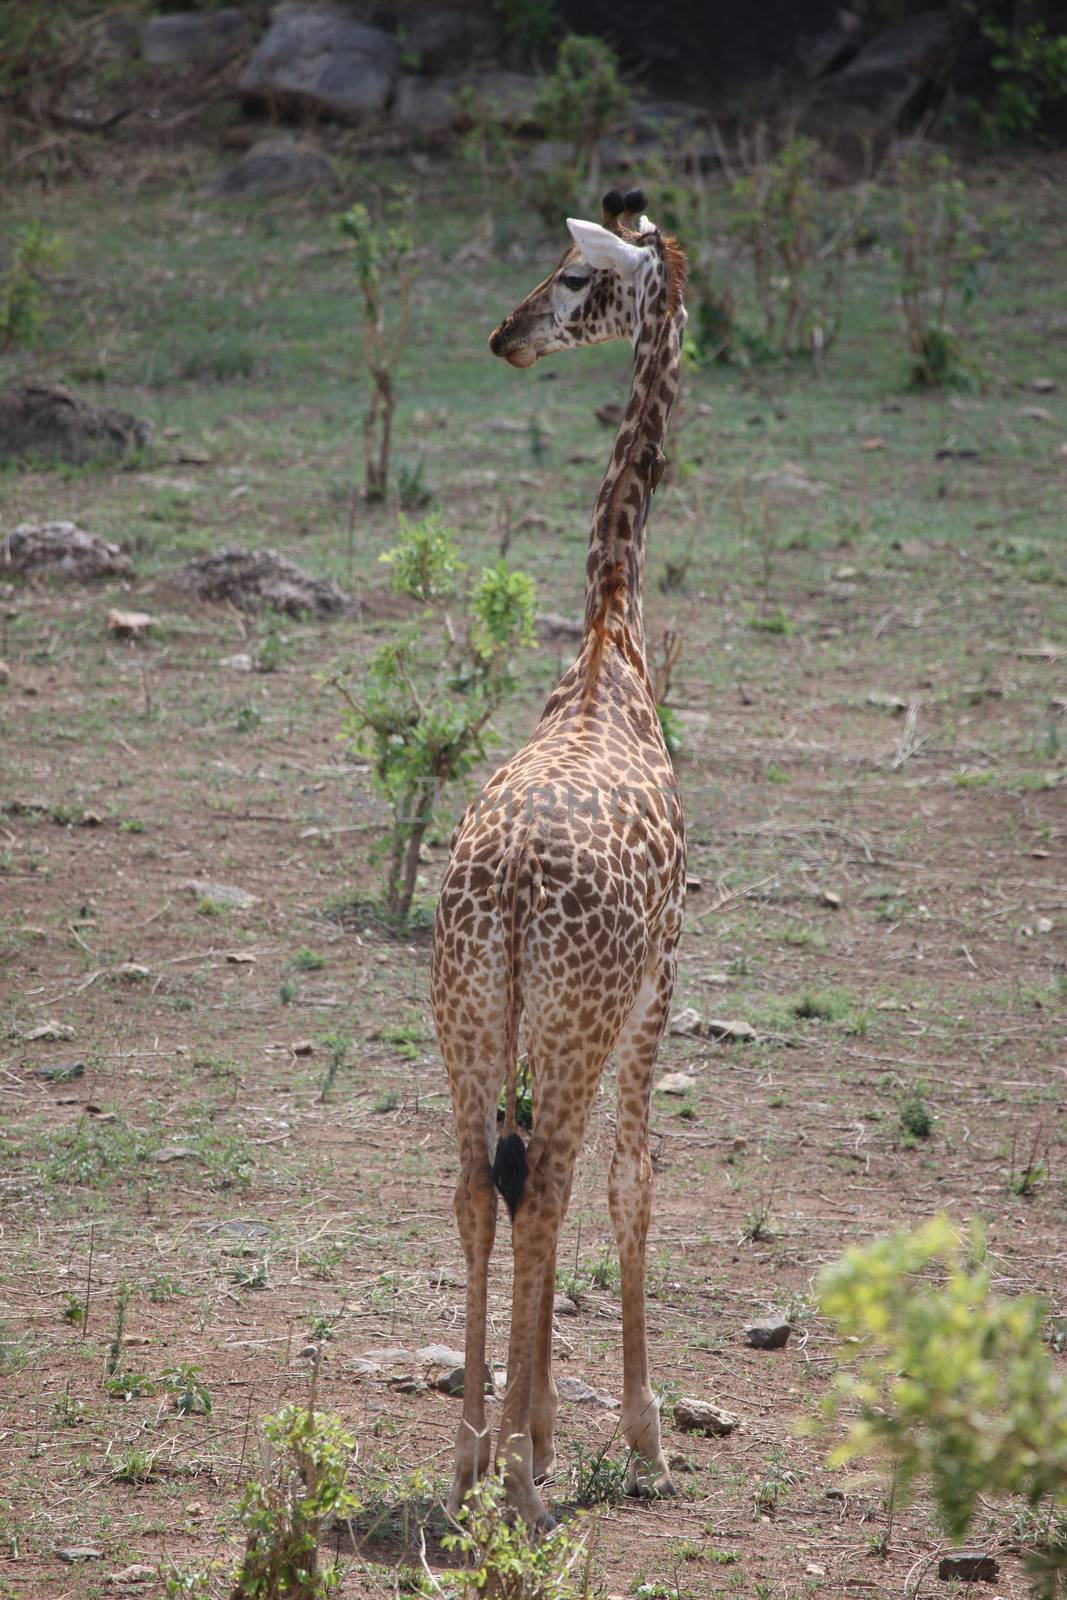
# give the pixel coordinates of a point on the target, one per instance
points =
(796, 246)
(421, 710)
(1031, 67)
(302, 1483)
(953, 1384)
(35, 253)
(943, 267)
(506, 1560)
(385, 266)
(582, 98)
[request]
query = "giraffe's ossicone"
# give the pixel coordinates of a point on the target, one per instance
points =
(562, 902)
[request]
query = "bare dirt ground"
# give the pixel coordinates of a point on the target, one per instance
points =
(239, 1111)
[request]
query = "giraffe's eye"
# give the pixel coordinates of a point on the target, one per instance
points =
(573, 280)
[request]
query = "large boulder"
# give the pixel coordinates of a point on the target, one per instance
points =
(254, 580)
(275, 165)
(45, 421)
(321, 60)
(192, 36)
(61, 550)
(441, 39)
(429, 107)
(888, 84)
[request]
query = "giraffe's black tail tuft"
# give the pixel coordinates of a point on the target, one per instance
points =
(510, 1170)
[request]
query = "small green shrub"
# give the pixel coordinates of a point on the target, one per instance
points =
(421, 708)
(506, 1560)
(192, 1397)
(914, 1115)
(1031, 67)
(582, 98)
(947, 1382)
(303, 1482)
(34, 255)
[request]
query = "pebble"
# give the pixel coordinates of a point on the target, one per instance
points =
(675, 1083)
(564, 1306)
(70, 1553)
(969, 1566)
(771, 1334)
(582, 1393)
(700, 1416)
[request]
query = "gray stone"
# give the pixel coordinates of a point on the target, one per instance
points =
(452, 1382)
(700, 1416)
(970, 1566)
(564, 1306)
(439, 1355)
(878, 92)
(254, 579)
(729, 1032)
(675, 1083)
(323, 61)
(771, 1334)
(221, 894)
(582, 1393)
(425, 107)
(60, 1072)
(70, 1553)
(391, 1356)
(45, 421)
(442, 39)
(274, 166)
(192, 36)
(62, 550)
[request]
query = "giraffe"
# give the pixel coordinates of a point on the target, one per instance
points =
(562, 900)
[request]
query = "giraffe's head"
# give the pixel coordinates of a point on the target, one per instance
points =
(602, 288)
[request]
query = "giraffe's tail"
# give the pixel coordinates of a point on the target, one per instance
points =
(518, 869)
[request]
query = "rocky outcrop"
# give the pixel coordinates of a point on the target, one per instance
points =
(273, 166)
(61, 550)
(888, 84)
(187, 36)
(46, 422)
(320, 60)
(254, 580)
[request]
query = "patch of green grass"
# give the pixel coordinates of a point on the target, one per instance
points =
(306, 960)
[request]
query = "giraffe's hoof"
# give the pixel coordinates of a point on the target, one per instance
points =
(544, 1524)
(650, 1484)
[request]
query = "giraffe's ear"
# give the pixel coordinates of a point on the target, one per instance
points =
(605, 250)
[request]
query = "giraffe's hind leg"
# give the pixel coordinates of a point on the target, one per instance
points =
(630, 1199)
(474, 1095)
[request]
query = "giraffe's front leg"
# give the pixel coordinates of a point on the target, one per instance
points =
(630, 1199)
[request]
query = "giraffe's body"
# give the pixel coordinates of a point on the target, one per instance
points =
(563, 900)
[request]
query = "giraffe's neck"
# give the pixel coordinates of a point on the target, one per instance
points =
(615, 569)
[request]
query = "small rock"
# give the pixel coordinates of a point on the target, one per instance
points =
(275, 166)
(771, 1334)
(610, 414)
(693, 885)
(564, 1306)
(439, 1355)
(175, 1152)
(391, 1356)
(90, 819)
(729, 1032)
(240, 958)
(130, 624)
(131, 972)
(451, 1382)
(675, 1083)
(361, 1368)
(1042, 385)
(239, 1229)
(137, 1573)
(195, 1508)
(70, 1553)
(875, 443)
(237, 663)
(444, 1279)
(814, 1570)
(700, 1416)
(1044, 924)
(63, 550)
(47, 1030)
(830, 898)
(581, 1393)
(310, 1352)
(888, 702)
(970, 1566)
(1036, 413)
(302, 1047)
(60, 1072)
(253, 580)
(846, 574)
(192, 36)
(408, 1385)
(221, 894)
(686, 1023)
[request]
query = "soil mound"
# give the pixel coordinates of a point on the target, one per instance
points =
(45, 420)
(255, 580)
(62, 550)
